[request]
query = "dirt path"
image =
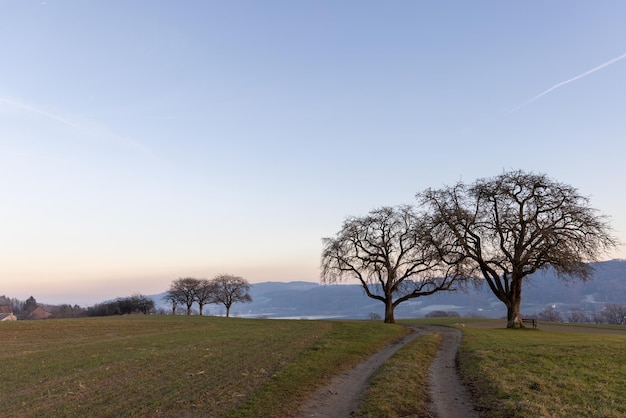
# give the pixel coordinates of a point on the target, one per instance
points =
(449, 398)
(342, 396)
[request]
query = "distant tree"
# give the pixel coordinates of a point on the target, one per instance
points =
(77, 311)
(228, 289)
(374, 316)
(389, 253)
(142, 304)
(614, 314)
(577, 316)
(6, 301)
(104, 309)
(205, 293)
(123, 306)
(598, 318)
(66, 311)
(136, 303)
(183, 290)
(503, 229)
(171, 296)
(549, 314)
(14, 304)
(29, 305)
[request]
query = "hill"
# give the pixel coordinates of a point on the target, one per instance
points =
(311, 300)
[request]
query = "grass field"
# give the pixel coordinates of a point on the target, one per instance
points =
(574, 371)
(199, 366)
(175, 366)
(532, 373)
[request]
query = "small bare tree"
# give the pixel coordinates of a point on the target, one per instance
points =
(508, 227)
(171, 296)
(228, 289)
(183, 291)
(204, 293)
(390, 254)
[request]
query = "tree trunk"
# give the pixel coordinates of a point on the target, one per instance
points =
(513, 316)
(227, 311)
(514, 319)
(389, 318)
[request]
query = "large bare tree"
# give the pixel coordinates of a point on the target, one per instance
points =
(505, 228)
(389, 253)
(228, 289)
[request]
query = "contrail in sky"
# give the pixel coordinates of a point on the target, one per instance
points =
(23, 106)
(95, 132)
(562, 83)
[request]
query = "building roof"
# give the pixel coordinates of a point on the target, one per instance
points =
(39, 313)
(7, 317)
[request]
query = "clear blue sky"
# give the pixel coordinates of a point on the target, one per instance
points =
(141, 141)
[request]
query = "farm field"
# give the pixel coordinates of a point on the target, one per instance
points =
(175, 366)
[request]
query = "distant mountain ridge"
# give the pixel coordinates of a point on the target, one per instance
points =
(299, 299)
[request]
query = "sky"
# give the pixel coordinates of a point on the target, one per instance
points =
(149, 140)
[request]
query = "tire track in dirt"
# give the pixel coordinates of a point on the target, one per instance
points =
(449, 398)
(342, 396)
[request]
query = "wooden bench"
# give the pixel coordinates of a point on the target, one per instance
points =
(532, 321)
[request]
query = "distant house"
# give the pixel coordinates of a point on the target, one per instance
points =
(39, 313)
(7, 317)
(6, 313)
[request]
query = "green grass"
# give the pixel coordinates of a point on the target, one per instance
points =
(535, 373)
(194, 366)
(399, 388)
(175, 366)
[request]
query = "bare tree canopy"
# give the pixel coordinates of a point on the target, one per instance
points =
(504, 228)
(389, 253)
(204, 293)
(183, 291)
(228, 289)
